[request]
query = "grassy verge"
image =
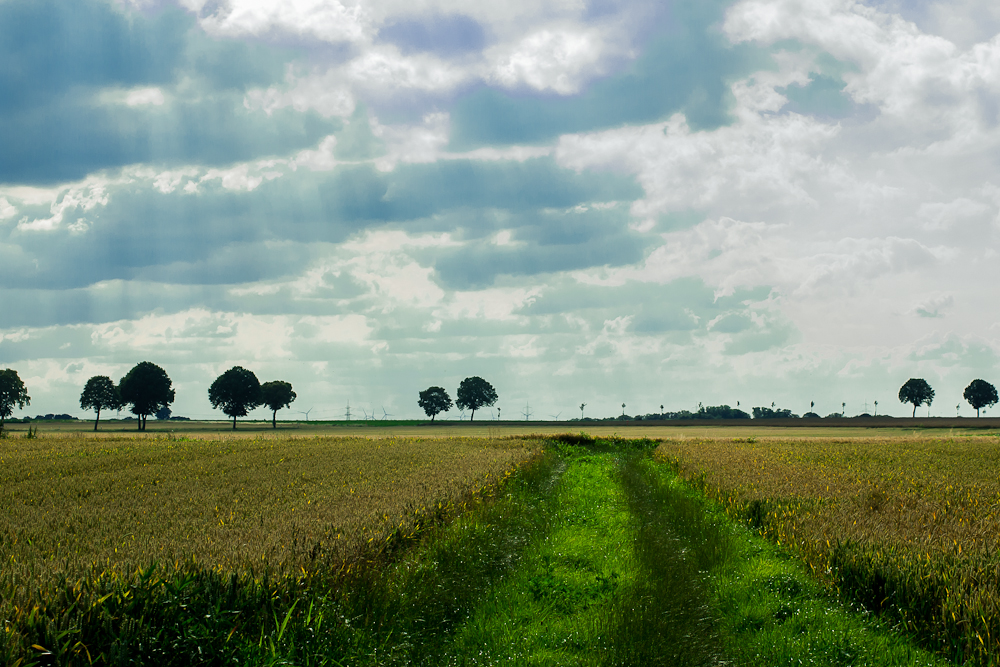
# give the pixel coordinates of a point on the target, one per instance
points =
(907, 529)
(769, 610)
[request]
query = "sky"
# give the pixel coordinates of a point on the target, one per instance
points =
(601, 202)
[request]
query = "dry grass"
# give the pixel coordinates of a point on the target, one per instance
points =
(80, 507)
(906, 526)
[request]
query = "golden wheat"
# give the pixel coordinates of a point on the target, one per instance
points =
(77, 507)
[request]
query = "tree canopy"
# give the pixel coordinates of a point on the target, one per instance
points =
(981, 394)
(12, 393)
(99, 393)
(276, 394)
(770, 413)
(434, 400)
(475, 393)
(236, 392)
(917, 392)
(146, 388)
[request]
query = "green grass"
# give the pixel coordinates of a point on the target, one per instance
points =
(768, 609)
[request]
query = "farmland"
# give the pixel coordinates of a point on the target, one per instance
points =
(265, 548)
(244, 505)
(906, 527)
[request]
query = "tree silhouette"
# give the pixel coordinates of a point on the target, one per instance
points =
(276, 394)
(236, 392)
(475, 393)
(146, 388)
(99, 393)
(917, 392)
(981, 394)
(434, 400)
(12, 392)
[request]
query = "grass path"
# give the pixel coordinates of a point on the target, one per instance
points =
(584, 594)
(630, 568)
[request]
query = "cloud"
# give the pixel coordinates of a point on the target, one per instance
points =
(940, 216)
(325, 20)
(445, 35)
(151, 89)
(934, 305)
(687, 70)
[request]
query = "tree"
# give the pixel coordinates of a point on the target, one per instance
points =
(917, 392)
(475, 393)
(236, 392)
(434, 400)
(146, 388)
(163, 414)
(12, 393)
(981, 394)
(276, 394)
(99, 393)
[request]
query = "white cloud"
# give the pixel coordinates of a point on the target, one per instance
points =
(325, 20)
(7, 210)
(84, 197)
(240, 177)
(944, 215)
(933, 305)
(325, 92)
(144, 97)
(551, 59)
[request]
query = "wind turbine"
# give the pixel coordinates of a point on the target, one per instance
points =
(385, 414)
(582, 406)
(306, 413)
(555, 417)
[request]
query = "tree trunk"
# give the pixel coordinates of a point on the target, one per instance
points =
(473, 415)
(433, 416)
(234, 422)
(914, 410)
(138, 423)
(97, 420)
(977, 413)
(274, 419)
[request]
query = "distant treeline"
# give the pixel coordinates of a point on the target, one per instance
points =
(719, 412)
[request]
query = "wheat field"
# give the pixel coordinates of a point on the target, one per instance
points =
(75, 507)
(907, 527)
